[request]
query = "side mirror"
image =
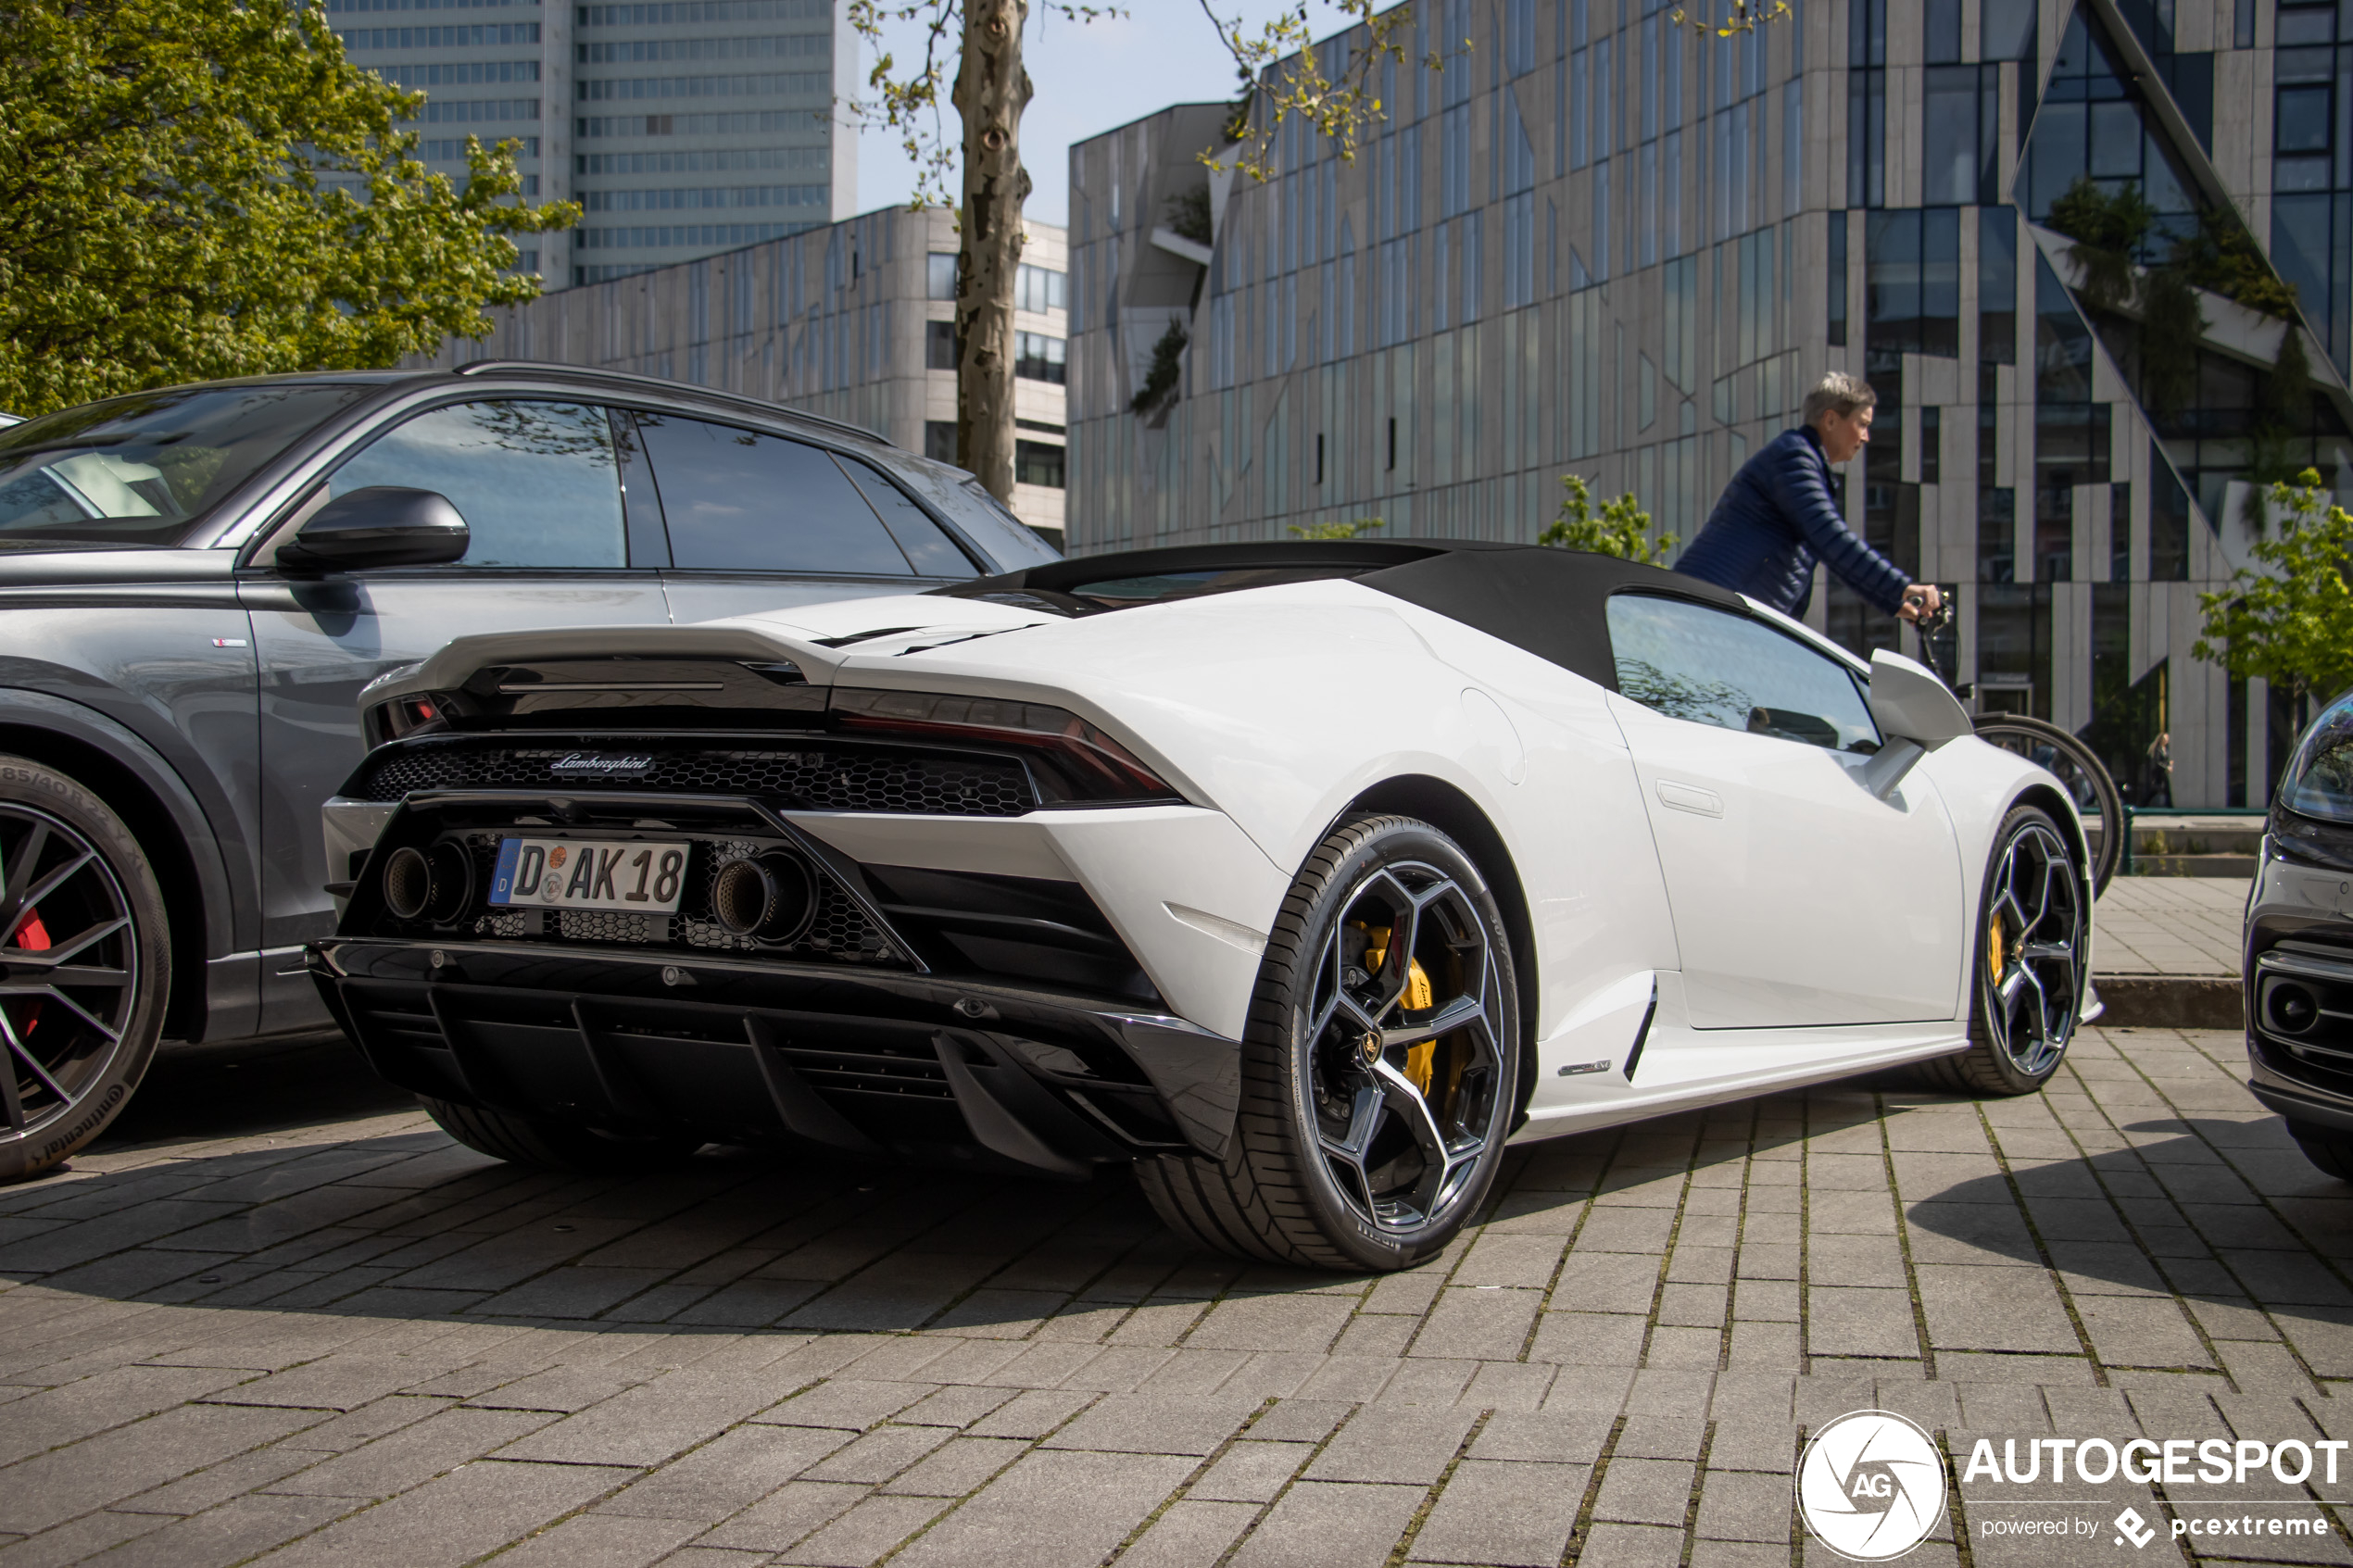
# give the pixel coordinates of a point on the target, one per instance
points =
(383, 525)
(1916, 711)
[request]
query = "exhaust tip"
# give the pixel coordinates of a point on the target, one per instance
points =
(408, 883)
(773, 899)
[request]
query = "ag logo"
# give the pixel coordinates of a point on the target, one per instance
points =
(1870, 1486)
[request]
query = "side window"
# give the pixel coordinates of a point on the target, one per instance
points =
(1714, 667)
(926, 544)
(538, 484)
(737, 500)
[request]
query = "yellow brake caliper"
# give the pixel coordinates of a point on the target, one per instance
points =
(1420, 1060)
(1994, 945)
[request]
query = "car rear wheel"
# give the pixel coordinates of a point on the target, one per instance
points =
(85, 966)
(2028, 981)
(2330, 1150)
(1378, 1065)
(556, 1145)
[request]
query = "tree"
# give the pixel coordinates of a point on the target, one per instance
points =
(1336, 530)
(200, 188)
(1285, 76)
(2291, 624)
(1622, 529)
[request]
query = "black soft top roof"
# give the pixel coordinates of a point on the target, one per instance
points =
(1549, 602)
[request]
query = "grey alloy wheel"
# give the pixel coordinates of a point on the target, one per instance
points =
(1379, 1068)
(1405, 1061)
(2032, 962)
(84, 966)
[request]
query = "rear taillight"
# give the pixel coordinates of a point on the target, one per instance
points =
(404, 716)
(1071, 760)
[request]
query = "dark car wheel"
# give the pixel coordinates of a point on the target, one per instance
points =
(1378, 1066)
(556, 1145)
(2028, 981)
(85, 966)
(2327, 1149)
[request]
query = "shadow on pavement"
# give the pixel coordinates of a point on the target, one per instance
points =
(2207, 1208)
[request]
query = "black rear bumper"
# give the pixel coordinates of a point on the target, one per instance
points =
(748, 1050)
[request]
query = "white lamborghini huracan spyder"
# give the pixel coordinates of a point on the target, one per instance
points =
(1299, 876)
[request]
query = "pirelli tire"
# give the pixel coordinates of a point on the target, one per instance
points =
(1380, 1064)
(557, 1146)
(2030, 962)
(85, 966)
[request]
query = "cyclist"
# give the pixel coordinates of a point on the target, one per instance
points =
(1778, 516)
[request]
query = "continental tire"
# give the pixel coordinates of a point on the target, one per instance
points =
(85, 966)
(555, 1145)
(1378, 1064)
(2030, 968)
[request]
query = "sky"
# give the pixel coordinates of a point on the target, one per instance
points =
(1088, 78)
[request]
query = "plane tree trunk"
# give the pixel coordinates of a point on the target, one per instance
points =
(992, 89)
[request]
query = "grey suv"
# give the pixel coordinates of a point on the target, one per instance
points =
(196, 582)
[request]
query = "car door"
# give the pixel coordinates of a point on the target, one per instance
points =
(539, 480)
(760, 522)
(1799, 897)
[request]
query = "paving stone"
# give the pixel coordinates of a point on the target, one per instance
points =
(413, 1454)
(237, 1530)
(1645, 1491)
(1189, 1534)
(1327, 1525)
(1408, 1443)
(1503, 1513)
(52, 1488)
(1154, 1424)
(465, 1514)
(726, 1474)
(1053, 1510)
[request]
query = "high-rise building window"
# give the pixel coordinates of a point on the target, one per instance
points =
(939, 275)
(1038, 462)
(1039, 357)
(1834, 275)
(939, 345)
(1038, 288)
(1998, 286)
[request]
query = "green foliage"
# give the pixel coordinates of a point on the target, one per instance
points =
(2220, 257)
(1159, 377)
(2171, 324)
(1188, 215)
(205, 188)
(2108, 230)
(1622, 528)
(1356, 530)
(2291, 623)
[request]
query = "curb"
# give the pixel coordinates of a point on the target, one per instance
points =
(2170, 1001)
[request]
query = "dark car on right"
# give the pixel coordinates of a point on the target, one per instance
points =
(2299, 947)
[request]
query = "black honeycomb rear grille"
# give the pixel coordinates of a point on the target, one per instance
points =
(820, 778)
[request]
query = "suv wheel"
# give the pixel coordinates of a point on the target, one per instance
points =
(85, 966)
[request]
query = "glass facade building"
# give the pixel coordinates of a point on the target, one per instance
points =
(683, 127)
(1596, 243)
(855, 321)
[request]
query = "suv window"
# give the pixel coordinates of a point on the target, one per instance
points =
(738, 500)
(537, 482)
(143, 470)
(1714, 667)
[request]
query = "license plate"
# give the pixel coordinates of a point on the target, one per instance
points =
(558, 873)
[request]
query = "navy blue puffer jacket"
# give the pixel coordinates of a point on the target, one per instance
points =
(1775, 520)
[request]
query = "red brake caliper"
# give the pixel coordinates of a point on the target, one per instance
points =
(32, 937)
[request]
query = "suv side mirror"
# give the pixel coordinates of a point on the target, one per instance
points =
(381, 525)
(1916, 711)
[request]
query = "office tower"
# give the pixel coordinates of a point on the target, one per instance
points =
(1598, 242)
(683, 127)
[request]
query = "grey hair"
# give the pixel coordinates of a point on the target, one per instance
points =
(1840, 391)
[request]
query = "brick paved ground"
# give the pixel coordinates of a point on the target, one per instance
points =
(354, 1342)
(2189, 925)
